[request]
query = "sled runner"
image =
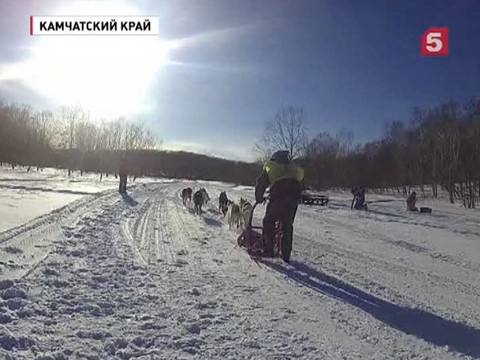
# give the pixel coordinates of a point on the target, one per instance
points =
(251, 238)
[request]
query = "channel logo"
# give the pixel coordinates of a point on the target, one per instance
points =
(434, 42)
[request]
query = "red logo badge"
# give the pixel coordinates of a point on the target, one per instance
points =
(434, 42)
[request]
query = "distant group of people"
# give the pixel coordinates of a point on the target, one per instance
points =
(359, 203)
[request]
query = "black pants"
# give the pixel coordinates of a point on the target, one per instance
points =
(122, 189)
(283, 210)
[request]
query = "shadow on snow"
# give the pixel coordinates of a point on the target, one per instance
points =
(419, 323)
(129, 200)
(212, 222)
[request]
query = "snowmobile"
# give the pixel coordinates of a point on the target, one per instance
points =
(251, 238)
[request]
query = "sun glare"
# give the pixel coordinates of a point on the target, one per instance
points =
(108, 76)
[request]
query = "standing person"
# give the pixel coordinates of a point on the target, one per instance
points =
(412, 202)
(354, 193)
(284, 179)
(123, 174)
(358, 202)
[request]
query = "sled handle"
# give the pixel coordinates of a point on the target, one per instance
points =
(253, 209)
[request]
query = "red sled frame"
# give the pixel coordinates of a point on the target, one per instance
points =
(251, 238)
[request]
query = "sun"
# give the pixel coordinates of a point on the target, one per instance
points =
(108, 76)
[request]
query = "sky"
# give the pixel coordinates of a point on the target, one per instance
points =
(220, 69)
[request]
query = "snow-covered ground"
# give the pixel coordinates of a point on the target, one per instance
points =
(141, 276)
(27, 195)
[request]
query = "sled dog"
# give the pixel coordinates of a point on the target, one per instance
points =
(223, 203)
(233, 215)
(186, 195)
(246, 210)
(198, 202)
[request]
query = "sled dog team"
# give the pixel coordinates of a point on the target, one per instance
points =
(200, 198)
(237, 214)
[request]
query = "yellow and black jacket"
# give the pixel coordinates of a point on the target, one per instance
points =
(284, 180)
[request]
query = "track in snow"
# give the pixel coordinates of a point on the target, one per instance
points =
(143, 276)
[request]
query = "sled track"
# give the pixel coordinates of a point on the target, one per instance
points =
(448, 259)
(127, 235)
(55, 215)
(279, 285)
(261, 276)
(396, 279)
(163, 232)
(34, 241)
(160, 281)
(190, 233)
(350, 256)
(145, 234)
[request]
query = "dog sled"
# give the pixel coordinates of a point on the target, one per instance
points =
(425, 210)
(251, 238)
(314, 199)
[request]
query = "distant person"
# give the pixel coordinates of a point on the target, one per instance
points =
(123, 174)
(284, 179)
(358, 202)
(412, 202)
(354, 192)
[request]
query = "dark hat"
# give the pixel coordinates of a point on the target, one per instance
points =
(281, 156)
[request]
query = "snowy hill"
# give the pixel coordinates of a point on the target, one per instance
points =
(89, 274)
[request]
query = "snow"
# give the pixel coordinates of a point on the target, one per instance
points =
(27, 195)
(106, 276)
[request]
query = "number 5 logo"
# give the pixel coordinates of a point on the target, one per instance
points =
(434, 42)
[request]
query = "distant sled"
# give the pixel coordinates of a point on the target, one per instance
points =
(314, 199)
(426, 210)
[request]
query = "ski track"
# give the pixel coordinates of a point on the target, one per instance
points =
(450, 275)
(143, 277)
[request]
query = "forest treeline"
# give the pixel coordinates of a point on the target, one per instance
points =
(71, 140)
(437, 148)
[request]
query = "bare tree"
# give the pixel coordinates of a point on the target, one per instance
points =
(396, 138)
(116, 134)
(287, 130)
(43, 128)
(322, 154)
(448, 134)
(344, 138)
(69, 118)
